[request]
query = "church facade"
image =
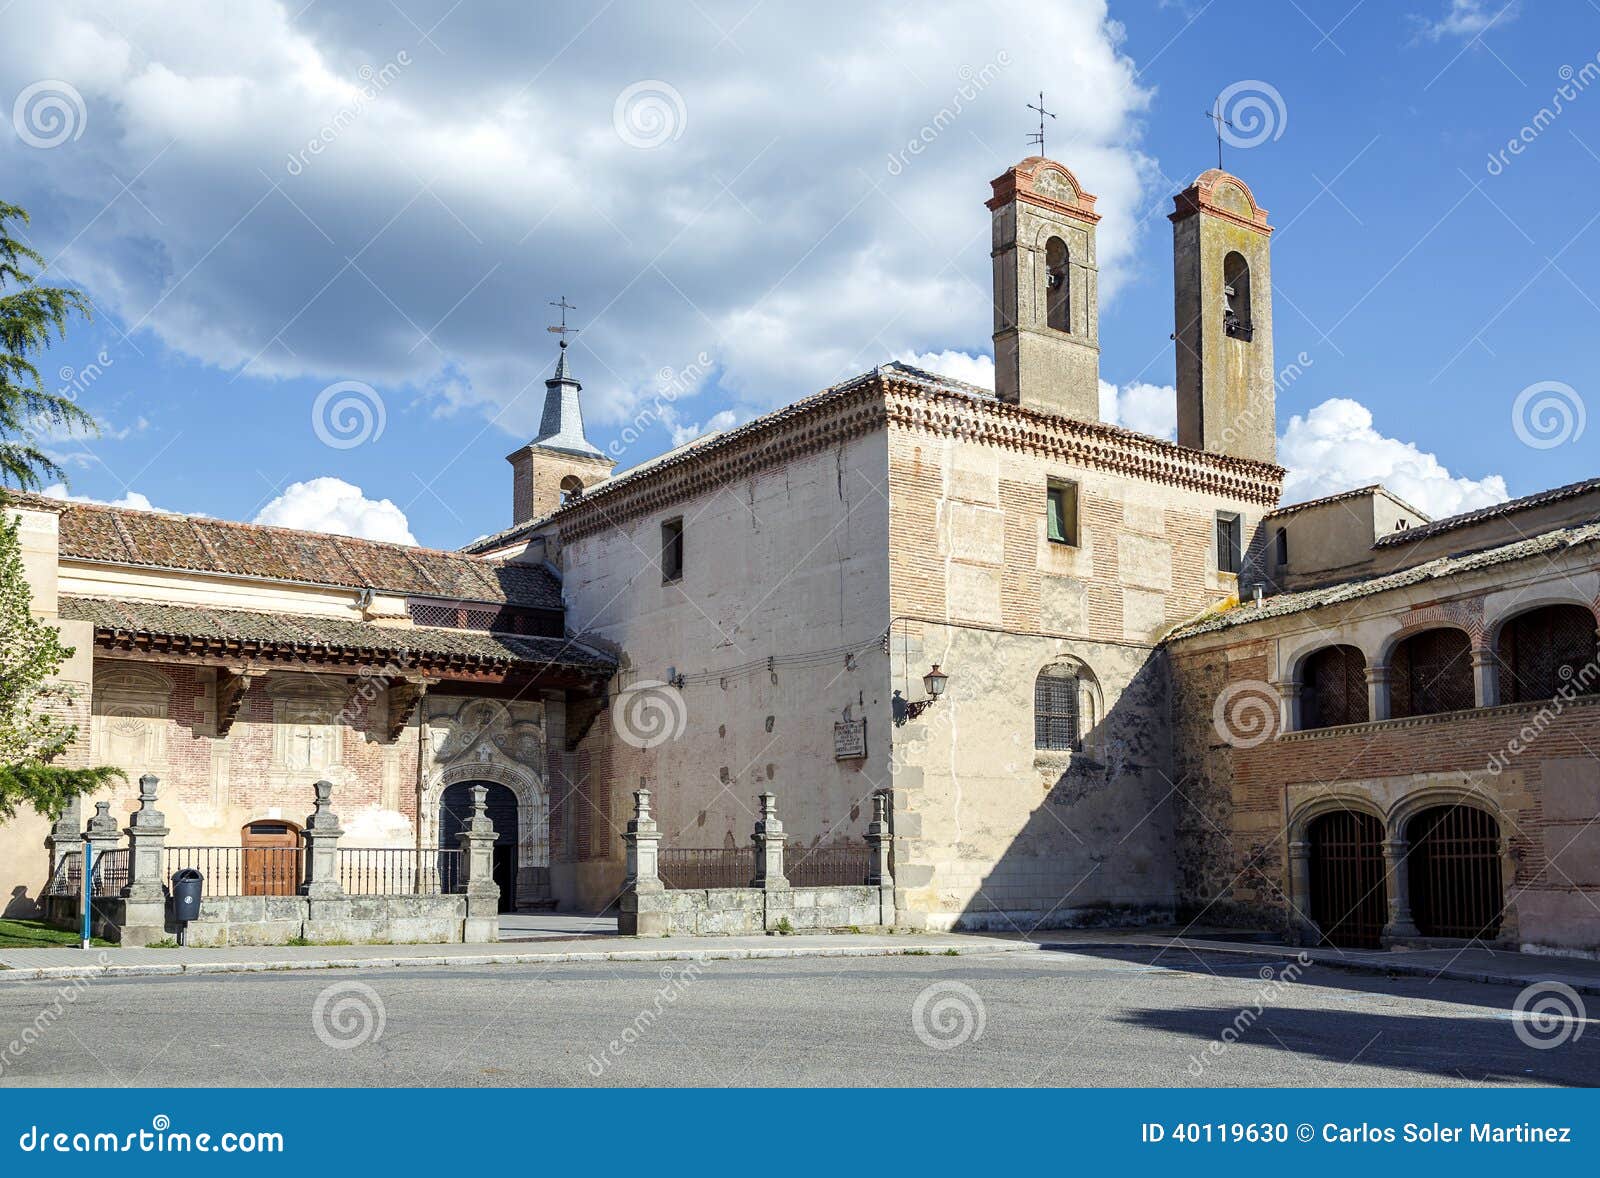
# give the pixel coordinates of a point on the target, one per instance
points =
(767, 610)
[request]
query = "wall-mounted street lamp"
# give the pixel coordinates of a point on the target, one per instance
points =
(907, 709)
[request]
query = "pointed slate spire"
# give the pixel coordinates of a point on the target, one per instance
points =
(561, 426)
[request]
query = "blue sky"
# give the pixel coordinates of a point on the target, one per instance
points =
(725, 192)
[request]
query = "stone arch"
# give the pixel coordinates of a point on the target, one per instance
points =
(533, 815)
(1419, 802)
(1415, 802)
(1090, 699)
(1058, 284)
(1543, 648)
(1335, 798)
(1526, 603)
(1384, 655)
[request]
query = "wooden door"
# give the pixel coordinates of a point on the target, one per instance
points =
(271, 858)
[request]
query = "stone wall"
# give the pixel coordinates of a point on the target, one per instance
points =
(991, 832)
(277, 920)
(748, 911)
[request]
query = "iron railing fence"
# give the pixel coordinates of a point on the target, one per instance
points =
(687, 868)
(67, 880)
(841, 865)
(110, 872)
(690, 868)
(240, 871)
(401, 871)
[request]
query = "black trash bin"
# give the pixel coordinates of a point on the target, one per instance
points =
(187, 884)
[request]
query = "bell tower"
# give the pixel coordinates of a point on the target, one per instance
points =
(1222, 302)
(1046, 296)
(558, 464)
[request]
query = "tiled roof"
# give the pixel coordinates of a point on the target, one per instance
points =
(313, 634)
(1282, 604)
(152, 539)
(1354, 493)
(1482, 514)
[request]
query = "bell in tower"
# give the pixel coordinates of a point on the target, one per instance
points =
(1046, 298)
(1222, 301)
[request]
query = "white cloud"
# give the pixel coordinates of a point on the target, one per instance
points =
(416, 248)
(978, 370)
(1334, 448)
(333, 505)
(1144, 408)
(683, 434)
(1468, 18)
(132, 499)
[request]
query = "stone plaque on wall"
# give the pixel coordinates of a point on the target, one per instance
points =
(849, 740)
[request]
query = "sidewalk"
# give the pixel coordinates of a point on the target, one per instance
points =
(1491, 966)
(32, 964)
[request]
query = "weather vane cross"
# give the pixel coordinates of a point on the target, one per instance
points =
(563, 330)
(1038, 136)
(1216, 116)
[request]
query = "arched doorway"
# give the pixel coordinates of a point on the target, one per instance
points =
(270, 859)
(1349, 899)
(1454, 870)
(455, 808)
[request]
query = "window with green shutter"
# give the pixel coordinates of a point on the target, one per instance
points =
(1061, 512)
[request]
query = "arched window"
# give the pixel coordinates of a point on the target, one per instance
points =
(1454, 871)
(1431, 672)
(1333, 688)
(571, 489)
(1236, 319)
(1547, 650)
(1058, 285)
(1058, 708)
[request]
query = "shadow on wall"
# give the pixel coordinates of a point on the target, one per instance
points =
(20, 906)
(1077, 798)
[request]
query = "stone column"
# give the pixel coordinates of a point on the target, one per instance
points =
(321, 838)
(1300, 923)
(477, 868)
(642, 908)
(1397, 880)
(1485, 677)
(1288, 706)
(769, 839)
(145, 897)
(880, 840)
(1377, 693)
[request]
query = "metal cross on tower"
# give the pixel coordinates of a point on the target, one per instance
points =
(563, 330)
(1037, 137)
(1216, 116)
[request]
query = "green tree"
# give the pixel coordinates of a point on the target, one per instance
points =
(31, 734)
(31, 316)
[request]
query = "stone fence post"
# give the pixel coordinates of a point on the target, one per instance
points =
(101, 830)
(641, 910)
(321, 838)
(879, 841)
(65, 833)
(477, 869)
(145, 897)
(769, 839)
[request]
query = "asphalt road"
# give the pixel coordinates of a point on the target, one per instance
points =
(1098, 1018)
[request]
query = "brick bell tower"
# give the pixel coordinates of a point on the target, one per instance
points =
(1222, 302)
(558, 464)
(1046, 291)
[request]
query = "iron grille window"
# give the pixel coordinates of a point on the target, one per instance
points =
(1061, 512)
(1335, 688)
(1055, 709)
(1431, 672)
(1454, 866)
(1547, 651)
(499, 619)
(1230, 551)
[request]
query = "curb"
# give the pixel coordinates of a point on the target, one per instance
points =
(576, 957)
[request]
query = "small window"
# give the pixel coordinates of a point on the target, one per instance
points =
(1282, 548)
(1061, 512)
(1055, 709)
(672, 550)
(1230, 555)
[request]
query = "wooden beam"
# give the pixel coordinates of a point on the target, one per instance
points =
(232, 686)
